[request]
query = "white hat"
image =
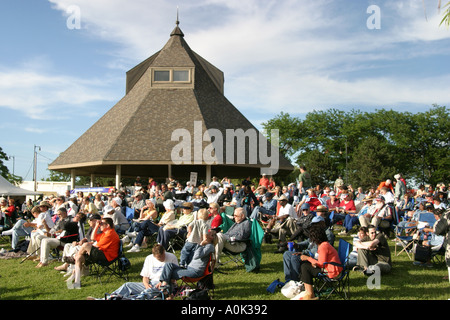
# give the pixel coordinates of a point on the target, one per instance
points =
(108, 208)
(118, 200)
(168, 204)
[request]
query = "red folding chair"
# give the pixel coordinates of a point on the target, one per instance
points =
(206, 279)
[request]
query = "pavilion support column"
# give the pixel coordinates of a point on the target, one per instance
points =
(92, 180)
(73, 176)
(169, 171)
(118, 175)
(208, 174)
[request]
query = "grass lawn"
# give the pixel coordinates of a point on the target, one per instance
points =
(22, 281)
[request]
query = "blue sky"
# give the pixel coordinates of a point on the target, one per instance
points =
(294, 56)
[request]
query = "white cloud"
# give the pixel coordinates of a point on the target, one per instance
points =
(39, 95)
(291, 54)
(35, 130)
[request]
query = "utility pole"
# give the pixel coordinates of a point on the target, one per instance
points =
(35, 168)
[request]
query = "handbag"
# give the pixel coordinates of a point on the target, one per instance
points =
(422, 253)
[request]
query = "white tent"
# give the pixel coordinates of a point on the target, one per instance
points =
(8, 189)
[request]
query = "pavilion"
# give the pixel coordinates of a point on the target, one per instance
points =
(173, 120)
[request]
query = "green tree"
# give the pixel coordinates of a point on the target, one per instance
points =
(431, 145)
(371, 162)
(332, 142)
(289, 129)
(3, 169)
(446, 16)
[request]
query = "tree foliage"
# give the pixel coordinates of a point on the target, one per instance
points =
(368, 147)
(446, 16)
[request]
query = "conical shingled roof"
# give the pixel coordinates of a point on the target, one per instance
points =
(137, 132)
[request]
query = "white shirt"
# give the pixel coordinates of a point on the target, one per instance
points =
(152, 268)
(288, 209)
(213, 197)
(199, 228)
(40, 220)
(117, 217)
(388, 197)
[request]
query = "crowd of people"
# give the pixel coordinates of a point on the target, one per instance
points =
(300, 217)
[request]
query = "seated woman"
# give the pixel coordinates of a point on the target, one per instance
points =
(147, 228)
(148, 212)
(8, 216)
(179, 228)
(312, 267)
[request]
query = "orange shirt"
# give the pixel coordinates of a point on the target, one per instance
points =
(327, 253)
(383, 184)
(108, 242)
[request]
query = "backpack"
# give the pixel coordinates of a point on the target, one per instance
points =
(124, 263)
(198, 294)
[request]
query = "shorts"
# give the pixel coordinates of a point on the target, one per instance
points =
(96, 256)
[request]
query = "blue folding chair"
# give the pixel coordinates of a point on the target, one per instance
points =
(405, 235)
(324, 286)
(129, 214)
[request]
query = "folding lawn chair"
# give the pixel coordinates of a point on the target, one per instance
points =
(177, 241)
(325, 287)
(205, 281)
(406, 236)
(115, 268)
(251, 256)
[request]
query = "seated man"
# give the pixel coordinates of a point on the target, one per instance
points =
(105, 250)
(266, 209)
(235, 238)
(114, 211)
(137, 204)
(246, 199)
(195, 269)
(303, 223)
(284, 224)
(150, 273)
(373, 252)
(64, 230)
(382, 212)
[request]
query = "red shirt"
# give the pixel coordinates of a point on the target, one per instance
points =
(108, 242)
(216, 221)
(333, 205)
(349, 206)
(264, 182)
(314, 203)
(327, 253)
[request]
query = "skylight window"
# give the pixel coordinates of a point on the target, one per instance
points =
(171, 76)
